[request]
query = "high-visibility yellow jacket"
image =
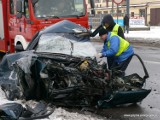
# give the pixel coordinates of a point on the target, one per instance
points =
(115, 29)
(123, 44)
(117, 47)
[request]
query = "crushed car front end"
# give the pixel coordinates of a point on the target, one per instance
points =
(59, 66)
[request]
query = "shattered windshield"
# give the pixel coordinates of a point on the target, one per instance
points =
(59, 8)
(65, 44)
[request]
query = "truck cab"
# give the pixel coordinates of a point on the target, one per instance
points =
(23, 18)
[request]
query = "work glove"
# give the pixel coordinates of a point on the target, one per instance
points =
(99, 55)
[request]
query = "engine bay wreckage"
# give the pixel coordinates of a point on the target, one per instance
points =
(59, 67)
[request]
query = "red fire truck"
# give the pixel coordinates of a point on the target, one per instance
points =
(21, 19)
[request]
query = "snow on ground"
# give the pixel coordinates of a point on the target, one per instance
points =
(3, 99)
(148, 36)
(59, 113)
(152, 34)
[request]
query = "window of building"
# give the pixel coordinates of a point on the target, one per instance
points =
(105, 12)
(142, 12)
(99, 12)
(110, 11)
(107, 2)
(132, 14)
(119, 11)
(97, 1)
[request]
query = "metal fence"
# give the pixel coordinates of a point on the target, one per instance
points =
(95, 21)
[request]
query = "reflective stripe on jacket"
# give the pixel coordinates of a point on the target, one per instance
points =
(123, 44)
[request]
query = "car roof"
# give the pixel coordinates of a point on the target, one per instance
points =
(64, 26)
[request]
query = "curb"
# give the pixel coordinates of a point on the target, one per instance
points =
(153, 42)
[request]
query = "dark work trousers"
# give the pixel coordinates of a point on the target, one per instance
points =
(110, 61)
(126, 28)
(118, 67)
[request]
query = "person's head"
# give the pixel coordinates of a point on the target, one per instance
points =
(103, 33)
(125, 15)
(107, 21)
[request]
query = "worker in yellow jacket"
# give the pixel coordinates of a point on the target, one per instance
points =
(117, 48)
(109, 24)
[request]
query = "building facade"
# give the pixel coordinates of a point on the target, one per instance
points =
(139, 9)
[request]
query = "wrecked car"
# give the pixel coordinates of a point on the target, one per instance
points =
(59, 67)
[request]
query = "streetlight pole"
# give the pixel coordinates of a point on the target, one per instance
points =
(118, 2)
(112, 6)
(127, 7)
(117, 13)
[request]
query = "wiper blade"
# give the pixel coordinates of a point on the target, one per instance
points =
(41, 16)
(46, 17)
(74, 16)
(53, 17)
(51, 53)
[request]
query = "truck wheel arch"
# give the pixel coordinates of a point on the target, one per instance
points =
(19, 39)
